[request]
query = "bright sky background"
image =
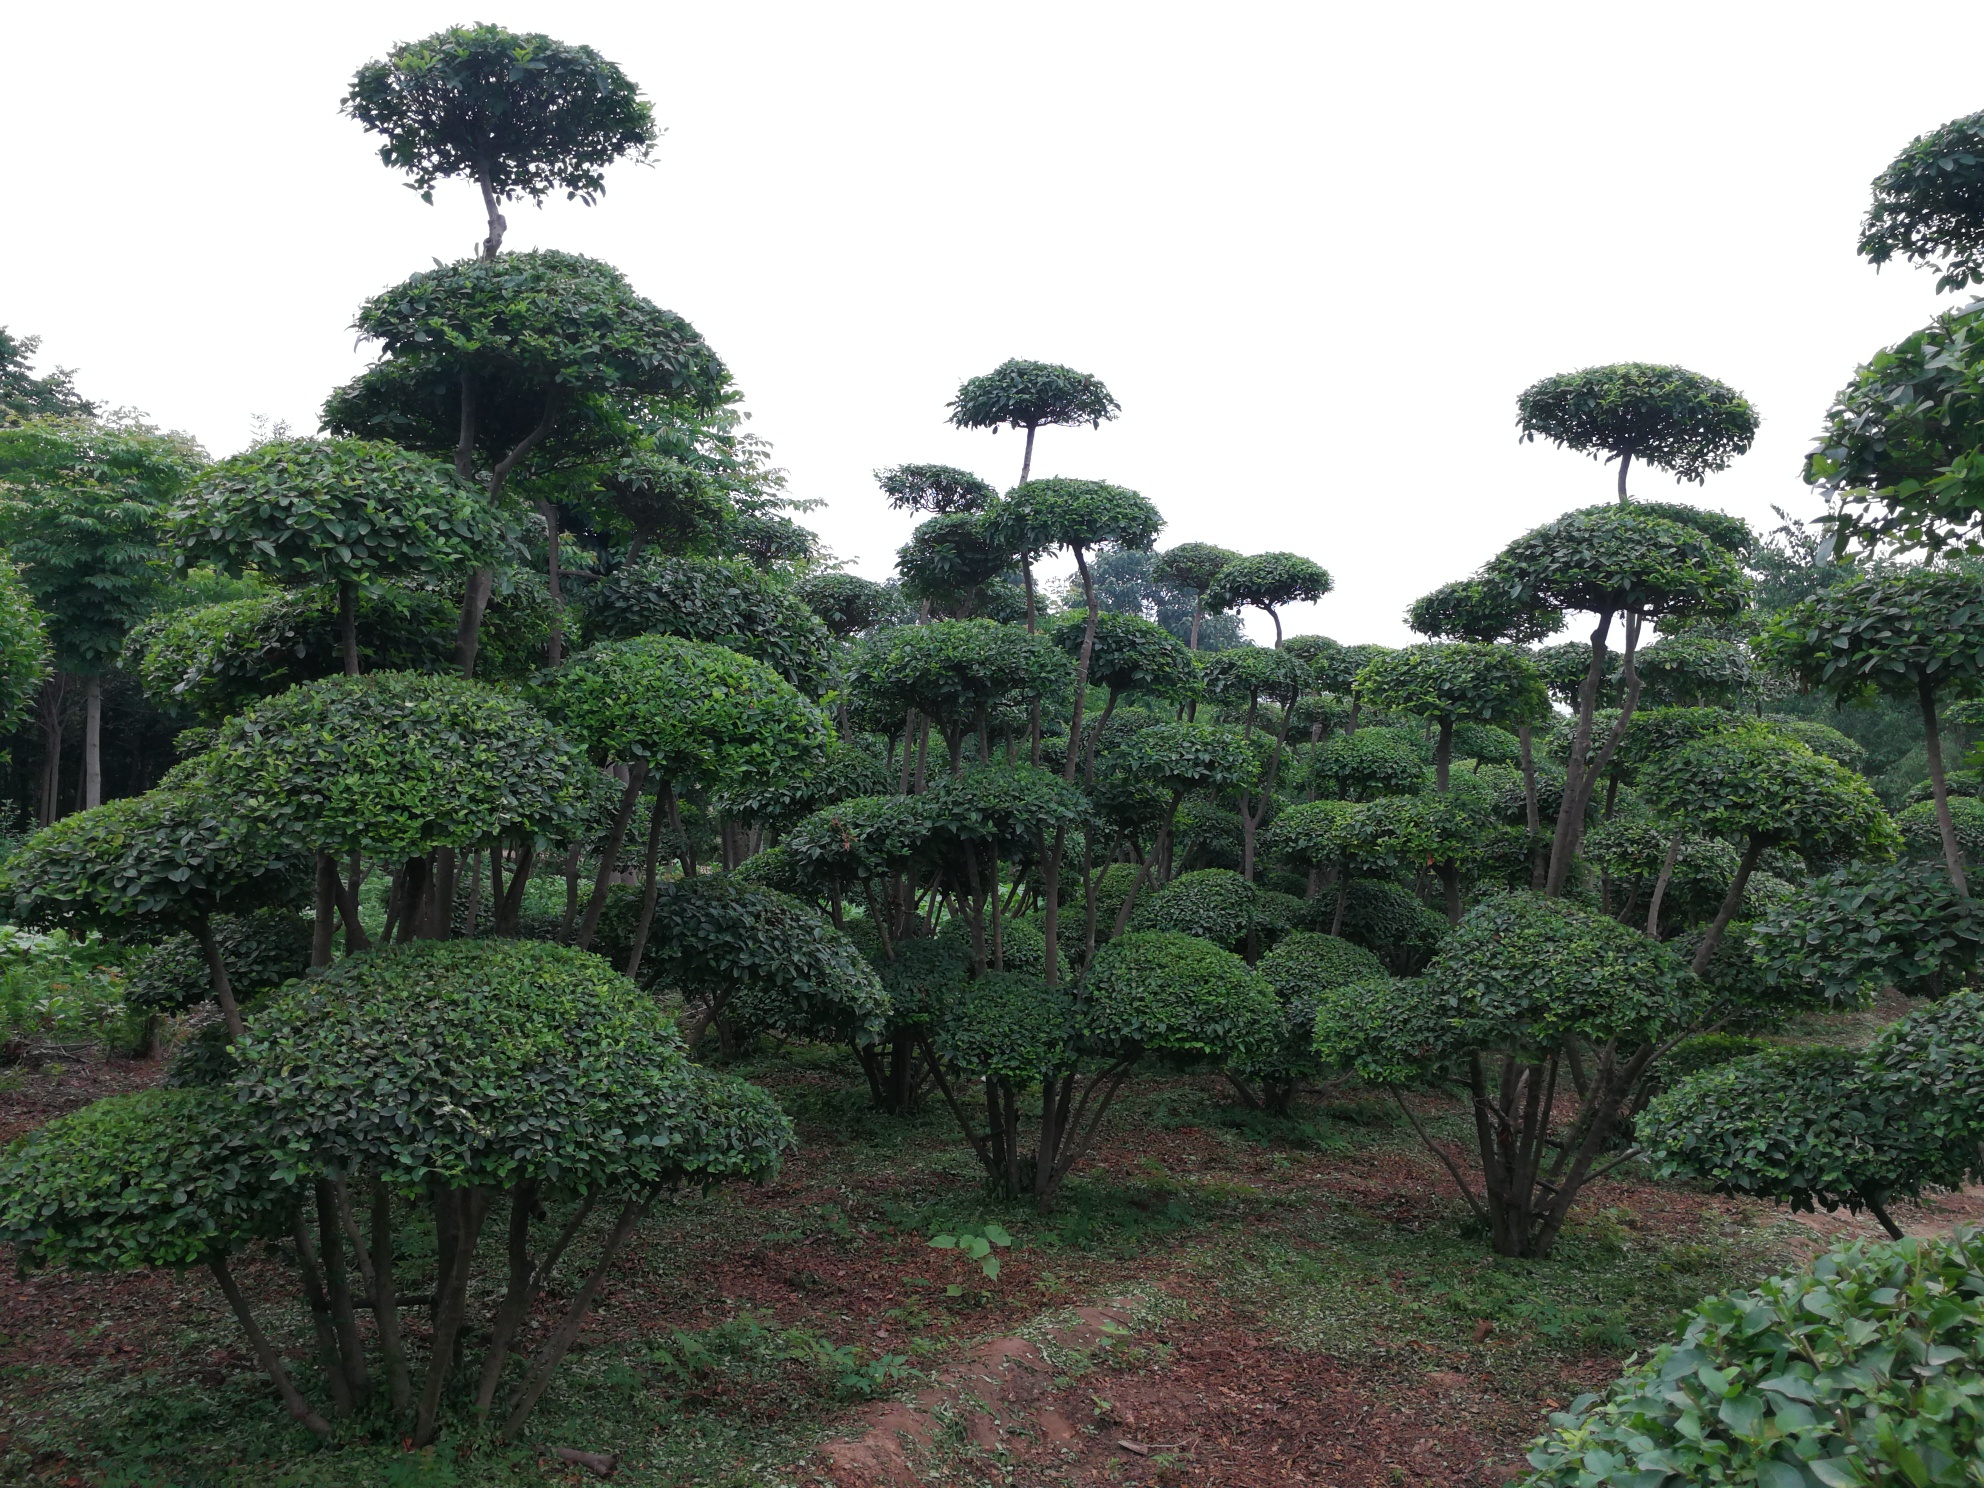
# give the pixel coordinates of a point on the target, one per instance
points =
(1314, 249)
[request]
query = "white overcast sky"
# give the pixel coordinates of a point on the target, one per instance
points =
(1315, 249)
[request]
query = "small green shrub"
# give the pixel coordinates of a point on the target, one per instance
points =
(261, 950)
(1866, 1369)
(1212, 904)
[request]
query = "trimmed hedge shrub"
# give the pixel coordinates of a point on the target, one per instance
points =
(1213, 904)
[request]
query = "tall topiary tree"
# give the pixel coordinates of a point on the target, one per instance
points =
(1030, 396)
(1672, 419)
(1130, 655)
(82, 504)
(346, 512)
(846, 603)
(1244, 678)
(948, 562)
(1612, 562)
(1193, 567)
(1908, 633)
(724, 601)
(941, 489)
(1767, 791)
(1080, 515)
(1268, 582)
(486, 359)
(520, 115)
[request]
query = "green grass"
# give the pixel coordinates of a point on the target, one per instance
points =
(56, 991)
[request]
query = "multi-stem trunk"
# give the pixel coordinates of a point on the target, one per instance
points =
(1932, 745)
(475, 600)
(1584, 769)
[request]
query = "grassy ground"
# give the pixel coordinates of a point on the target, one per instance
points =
(1309, 1282)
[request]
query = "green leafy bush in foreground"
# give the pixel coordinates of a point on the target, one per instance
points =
(1867, 1369)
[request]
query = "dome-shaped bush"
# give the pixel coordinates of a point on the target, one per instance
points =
(1921, 831)
(262, 951)
(725, 602)
(1005, 1026)
(1306, 963)
(154, 1178)
(1161, 991)
(1213, 904)
(1368, 764)
(488, 1062)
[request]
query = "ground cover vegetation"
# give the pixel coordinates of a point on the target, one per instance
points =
(512, 824)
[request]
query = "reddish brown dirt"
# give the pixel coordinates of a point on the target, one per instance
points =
(31, 1097)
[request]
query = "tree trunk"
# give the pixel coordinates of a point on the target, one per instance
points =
(1443, 756)
(1026, 462)
(53, 708)
(637, 774)
(1081, 667)
(324, 911)
(265, 1354)
(493, 244)
(92, 742)
(348, 624)
(1660, 885)
(1731, 902)
(1625, 459)
(554, 577)
(217, 976)
(1932, 744)
(650, 876)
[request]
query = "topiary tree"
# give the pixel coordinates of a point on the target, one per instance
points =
(1680, 877)
(1796, 1377)
(1480, 610)
(1921, 826)
(486, 359)
(1036, 517)
(664, 499)
(1193, 567)
(678, 713)
(1130, 655)
(1406, 833)
(1767, 792)
(1867, 926)
(496, 1073)
(163, 1179)
(846, 603)
(1909, 633)
(1213, 904)
(953, 674)
(1244, 678)
(752, 958)
(1454, 682)
(950, 560)
(520, 115)
(1696, 671)
(1029, 396)
(1146, 993)
(1675, 420)
(170, 860)
(1269, 582)
(1525, 989)
(937, 488)
(1612, 561)
(345, 512)
(724, 601)
(1804, 1125)
(261, 950)
(1937, 1055)
(1301, 968)
(82, 503)
(400, 767)
(1364, 766)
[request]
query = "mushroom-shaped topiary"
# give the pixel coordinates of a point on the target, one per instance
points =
(1269, 582)
(1523, 985)
(1803, 1125)
(679, 713)
(949, 562)
(156, 1178)
(761, 960)
(1366, 765)
(469, 1071)
(955, 673)
(1478, 609)
(1675, 420)
(396, 766)
(1767, 791)
(846, 603)
(1192, 567)
(1922, 830)
(346, 512)
(1455, 682)
(171, 860)
(1694, 671)
(935, 488)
